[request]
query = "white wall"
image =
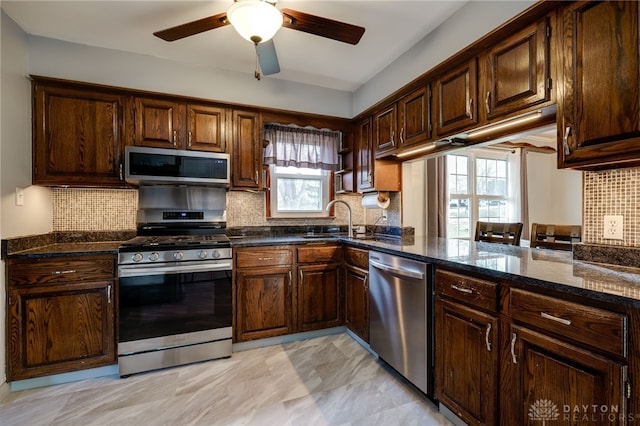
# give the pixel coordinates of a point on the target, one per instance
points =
(555, 196)
(474, 20)
(54, 58)
(15, 155)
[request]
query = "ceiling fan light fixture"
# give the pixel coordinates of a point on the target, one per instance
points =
(255, 20)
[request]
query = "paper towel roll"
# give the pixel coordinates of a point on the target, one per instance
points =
(376, 200)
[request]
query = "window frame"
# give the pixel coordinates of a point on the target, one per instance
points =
(328, 194)
(474, 199)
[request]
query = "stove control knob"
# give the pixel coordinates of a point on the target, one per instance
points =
(202, 254)
(154, 256)
(178, 255)
(215, 254)
(137, 257)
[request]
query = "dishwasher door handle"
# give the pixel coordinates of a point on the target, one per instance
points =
(397, 271)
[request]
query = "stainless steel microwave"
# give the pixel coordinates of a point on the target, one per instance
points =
(144, 165)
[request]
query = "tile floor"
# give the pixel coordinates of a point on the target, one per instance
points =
(328, 380)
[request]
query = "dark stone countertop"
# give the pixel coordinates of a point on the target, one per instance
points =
(68, 249)
(550, 269)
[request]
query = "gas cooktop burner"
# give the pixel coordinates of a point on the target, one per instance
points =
(174, 241)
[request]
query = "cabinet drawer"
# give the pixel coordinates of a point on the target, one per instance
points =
(319, 253)
(473, 291)
(44, 271)
(357, 257)
(248, 258)
(596, 327)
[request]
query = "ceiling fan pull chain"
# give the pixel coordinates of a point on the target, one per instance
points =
(256, 73)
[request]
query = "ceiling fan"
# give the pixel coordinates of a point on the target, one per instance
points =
(258, 21)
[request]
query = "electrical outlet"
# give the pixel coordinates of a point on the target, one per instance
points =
(613, 227)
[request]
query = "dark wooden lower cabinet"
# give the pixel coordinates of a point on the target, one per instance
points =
(356, 316)
(555, 381)
(466, 361)
(60, 316)
(263, 302)
(319, 296)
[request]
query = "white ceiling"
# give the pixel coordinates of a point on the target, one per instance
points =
(392, 27)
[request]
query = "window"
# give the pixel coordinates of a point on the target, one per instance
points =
(299, 192)
(480, 188)
(301, 164)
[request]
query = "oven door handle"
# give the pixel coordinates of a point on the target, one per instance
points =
(138, 270)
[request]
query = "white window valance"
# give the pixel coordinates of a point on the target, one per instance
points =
(301, 147)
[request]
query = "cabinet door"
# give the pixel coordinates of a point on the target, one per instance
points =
(384, 132)
(246, 151)
(78, 137)
(263, 303)
(414, 112)
(356, 316)
(319, 296)
(60, 328)
(599, 105)
(466, 355)
(456, 99)
(555, 381)
(159, 123)
(206, 128)
(365, 156)
(517, 71)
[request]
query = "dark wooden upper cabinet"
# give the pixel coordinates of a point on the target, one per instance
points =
(159, 123)
(385, 129)
(599, 92)
(456, 94)
(517, 71)
(246, 151)
(78, 136)
(364, 175)
(206, 128)
(167, 123)
(414, 117)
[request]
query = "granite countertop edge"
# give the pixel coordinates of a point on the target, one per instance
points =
(549, 269)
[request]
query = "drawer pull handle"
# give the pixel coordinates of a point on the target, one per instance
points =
(486, 337)
(514, 337)
(554, 318)
(68, 271)
(462, 289)
(261, 259)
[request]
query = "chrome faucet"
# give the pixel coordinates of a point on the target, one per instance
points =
(331, 203)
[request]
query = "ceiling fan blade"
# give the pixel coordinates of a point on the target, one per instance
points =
(322, 27)
(194, 27)
(267, 57)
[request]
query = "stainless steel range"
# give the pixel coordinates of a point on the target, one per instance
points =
(175, 281)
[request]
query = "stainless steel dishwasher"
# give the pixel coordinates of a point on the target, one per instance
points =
(401, 316)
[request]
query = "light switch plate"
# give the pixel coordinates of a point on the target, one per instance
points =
(19, 196)
(613, 227)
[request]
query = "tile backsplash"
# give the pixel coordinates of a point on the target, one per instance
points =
(94, 209)
(112, 210)
(612, 192)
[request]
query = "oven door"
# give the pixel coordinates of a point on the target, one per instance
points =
(172, 304)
